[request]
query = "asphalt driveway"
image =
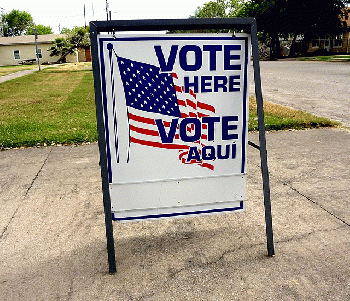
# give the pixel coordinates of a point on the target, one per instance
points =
(321, 88)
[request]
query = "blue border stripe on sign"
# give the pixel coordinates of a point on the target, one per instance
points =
(178, 214)
(105, 111)
(245, 91)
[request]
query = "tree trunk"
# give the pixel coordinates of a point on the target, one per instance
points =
(275, 52)
(292, 52)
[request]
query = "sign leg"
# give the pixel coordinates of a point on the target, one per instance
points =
(262, 139)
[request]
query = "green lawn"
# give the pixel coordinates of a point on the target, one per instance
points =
(328, 58)
(56, 106)
(278, 117)
(5, 70)
(51, 106)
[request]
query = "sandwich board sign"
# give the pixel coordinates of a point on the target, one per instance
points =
(176, 123)
(172, 112)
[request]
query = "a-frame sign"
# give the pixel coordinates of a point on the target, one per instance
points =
(172, 118)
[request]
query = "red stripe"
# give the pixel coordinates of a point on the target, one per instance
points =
(178, 88)
(204, 137)
(192, 93)
(174, 75)
(191, 104)
(158, 144)
(193, 115)
(143, 131)
(207, 165)
(142, 119)
(183, 115)
(205, 106)
(181, 102)
(183, 154)
(200, 115)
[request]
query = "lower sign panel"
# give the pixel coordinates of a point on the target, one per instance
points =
(137, 201)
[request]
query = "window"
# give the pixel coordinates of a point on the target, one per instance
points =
(315, 43)
(16, 54)
(39, 54)
(338, 41)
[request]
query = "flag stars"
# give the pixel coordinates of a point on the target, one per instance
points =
(147, 89)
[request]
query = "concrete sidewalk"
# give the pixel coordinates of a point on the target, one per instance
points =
(10, 76)
(53, 246)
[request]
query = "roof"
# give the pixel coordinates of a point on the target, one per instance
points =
(29, 39)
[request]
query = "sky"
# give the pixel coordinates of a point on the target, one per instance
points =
(70, 13)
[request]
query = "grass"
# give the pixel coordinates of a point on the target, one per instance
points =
(328, 58)
(279, 117)
(52, 106)
(56, 106)
(5, 70)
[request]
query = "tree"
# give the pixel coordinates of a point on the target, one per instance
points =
(218, 9)
(16, 23)
(61, 47)
(78, 37)
(290, 18)
(40, 29)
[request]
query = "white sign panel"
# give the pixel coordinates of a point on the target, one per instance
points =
(176, 118)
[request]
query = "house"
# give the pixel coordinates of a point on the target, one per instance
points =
(21, 49)
(334, 44)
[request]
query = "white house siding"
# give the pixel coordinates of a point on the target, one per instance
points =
(26, 47)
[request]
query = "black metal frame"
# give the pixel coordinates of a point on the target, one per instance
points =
(247, 25)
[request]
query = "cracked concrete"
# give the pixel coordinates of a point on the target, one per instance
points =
(24, 196)
(54, 248)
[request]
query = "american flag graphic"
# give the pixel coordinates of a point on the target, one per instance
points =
(150, 95)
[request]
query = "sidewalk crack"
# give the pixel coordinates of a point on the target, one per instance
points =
(316, 203)
(25, 195)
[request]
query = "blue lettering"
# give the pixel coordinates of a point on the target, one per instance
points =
(183, 58)
(228, 57)
(171, 59)
(161, 130)
(233, 151)
(232, 83)
(210, 121)
(205, 83)
(226, 127)
(210, 155)
(197, 130)
(194, 84)
(193, 154)
(212, 54)
(227, 153)
(220, 82)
